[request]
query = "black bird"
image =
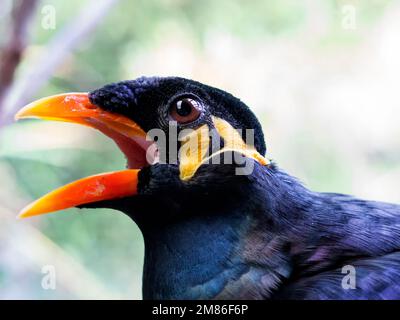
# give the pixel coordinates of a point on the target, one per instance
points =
(219, 220)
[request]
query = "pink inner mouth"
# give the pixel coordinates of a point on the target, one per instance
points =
(138, 151)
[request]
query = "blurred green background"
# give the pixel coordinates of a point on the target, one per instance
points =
(322, 76)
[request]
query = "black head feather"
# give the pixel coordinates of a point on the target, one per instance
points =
(144, 100)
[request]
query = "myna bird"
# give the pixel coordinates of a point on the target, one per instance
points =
(219, 220)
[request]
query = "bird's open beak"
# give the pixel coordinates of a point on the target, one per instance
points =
(131, 139)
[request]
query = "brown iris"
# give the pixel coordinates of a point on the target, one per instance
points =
(185, 110)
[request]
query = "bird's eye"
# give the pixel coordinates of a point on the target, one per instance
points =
(185, 110)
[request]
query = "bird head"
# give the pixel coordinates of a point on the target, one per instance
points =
(167, 122)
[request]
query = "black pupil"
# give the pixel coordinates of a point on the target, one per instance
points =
(184, 107)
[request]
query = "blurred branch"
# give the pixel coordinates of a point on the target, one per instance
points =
(22, 13)
(60, 46)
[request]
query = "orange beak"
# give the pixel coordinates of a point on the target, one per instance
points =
(76, 108)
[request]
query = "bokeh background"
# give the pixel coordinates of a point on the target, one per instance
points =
(323, 77)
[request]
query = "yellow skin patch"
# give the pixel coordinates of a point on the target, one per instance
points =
(195, 147)
(192, 152)
(234, 142)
